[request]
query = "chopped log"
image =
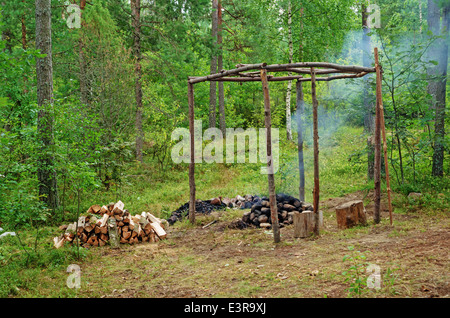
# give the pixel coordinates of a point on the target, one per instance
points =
(97, 230)
(103, 237)
(88, 228)
(83, 237)
(125, 228)
(104, 209)
(148, 228)
(103, 229)
(158, 230)
(102, 222)
(126, 235)
(118, 208)
(95, 209)
(123, 240)
(101, 243)
(303, 224)
(350, 214)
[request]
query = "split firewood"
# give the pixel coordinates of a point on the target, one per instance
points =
(147, 229)
(126, 235)
(103, 220)
(104, 209)
(158, 230)
(118, 208)
(88, 228)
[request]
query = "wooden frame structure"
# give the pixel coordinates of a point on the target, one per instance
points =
(316, 70)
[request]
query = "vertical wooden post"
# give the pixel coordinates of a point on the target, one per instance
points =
(301, 165)
(192, 163)
(270, 174)
(316, 152)
(377, 165)
(383, 131)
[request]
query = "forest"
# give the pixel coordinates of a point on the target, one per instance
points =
(96, 95)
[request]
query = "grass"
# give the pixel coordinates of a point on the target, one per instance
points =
(222, 262)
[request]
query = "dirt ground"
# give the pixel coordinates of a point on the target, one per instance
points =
(412, 257)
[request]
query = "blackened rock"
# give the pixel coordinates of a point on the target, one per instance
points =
(297, 203)
(265, 211)
(263, 219)
(256, 206)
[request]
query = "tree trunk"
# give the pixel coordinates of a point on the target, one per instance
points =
(369, 124)
(270, 163)
(438, 79)
(377, 140)
(44, 72)
(289, 88)
(84, 87)
(301, 165)
(213, 68)
(192, 154)
(136, 23)
(316, 152)
(222, 123)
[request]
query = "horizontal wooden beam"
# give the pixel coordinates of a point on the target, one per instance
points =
(304, 67)
(300, 78)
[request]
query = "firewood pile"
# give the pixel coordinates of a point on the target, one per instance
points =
(112, 224)
(259, 214)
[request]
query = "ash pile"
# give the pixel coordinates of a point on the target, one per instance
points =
(203, 207)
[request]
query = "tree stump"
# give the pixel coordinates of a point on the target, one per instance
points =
(113, 233)
(303, 224)
(350, 214)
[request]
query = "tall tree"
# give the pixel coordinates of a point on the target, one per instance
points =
(289, 88)
(136, 23)
(438, 77)
(369, 122)
(221, 91)
(213, 68)
(44, 73)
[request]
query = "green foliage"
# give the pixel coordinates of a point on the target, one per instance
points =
(355, 273)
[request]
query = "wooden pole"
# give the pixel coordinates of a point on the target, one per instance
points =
(270, 175)
(377, 141)
(383, 132)
(316, 152)
(301, 165)
(192, 163)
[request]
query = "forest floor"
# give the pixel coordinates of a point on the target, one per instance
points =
(412, 255)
